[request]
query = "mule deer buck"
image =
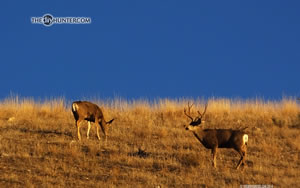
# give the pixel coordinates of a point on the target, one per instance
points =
(84, 110)
(218, 138)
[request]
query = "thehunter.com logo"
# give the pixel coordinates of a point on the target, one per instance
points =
(48, 20)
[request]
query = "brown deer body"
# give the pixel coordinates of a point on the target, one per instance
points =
(218, 138)
(84, 110)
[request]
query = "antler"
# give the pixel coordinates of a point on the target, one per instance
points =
(201, 115)
(189, 109)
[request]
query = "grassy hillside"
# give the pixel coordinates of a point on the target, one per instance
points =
(147, 145)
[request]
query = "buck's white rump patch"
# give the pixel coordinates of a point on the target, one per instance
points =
(245, 139)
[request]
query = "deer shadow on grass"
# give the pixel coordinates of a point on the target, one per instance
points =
(46, 132)
(140, 153)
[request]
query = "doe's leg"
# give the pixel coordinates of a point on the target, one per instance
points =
(97, 125)
(78, 123)
(104, 130)
(88, 131)
(105, 139)
(98, 135)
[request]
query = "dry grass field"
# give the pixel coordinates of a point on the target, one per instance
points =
(147, 145)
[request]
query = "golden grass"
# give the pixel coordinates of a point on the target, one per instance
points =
(147, 146)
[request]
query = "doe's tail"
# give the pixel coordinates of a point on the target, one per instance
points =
(74, 107)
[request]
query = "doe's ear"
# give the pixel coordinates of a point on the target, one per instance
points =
(109, 122)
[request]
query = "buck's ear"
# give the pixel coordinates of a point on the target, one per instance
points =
(110, 121)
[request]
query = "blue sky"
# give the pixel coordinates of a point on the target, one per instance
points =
(152, 49)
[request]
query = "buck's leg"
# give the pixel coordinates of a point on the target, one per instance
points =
(240, 162)
(242, 152)
(78, 122)
(245, 150)
(88, 131)
(214, 154)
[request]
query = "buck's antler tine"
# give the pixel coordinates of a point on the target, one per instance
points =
(201, 115)
(187, 115)
(205, 109)
(189, 111)
(190, 107)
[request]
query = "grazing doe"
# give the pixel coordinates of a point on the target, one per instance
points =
(218, 138)
(84, 110)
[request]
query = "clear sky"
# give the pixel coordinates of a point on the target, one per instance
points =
(151, 49)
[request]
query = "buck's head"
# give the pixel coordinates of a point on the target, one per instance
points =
(195, 122)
